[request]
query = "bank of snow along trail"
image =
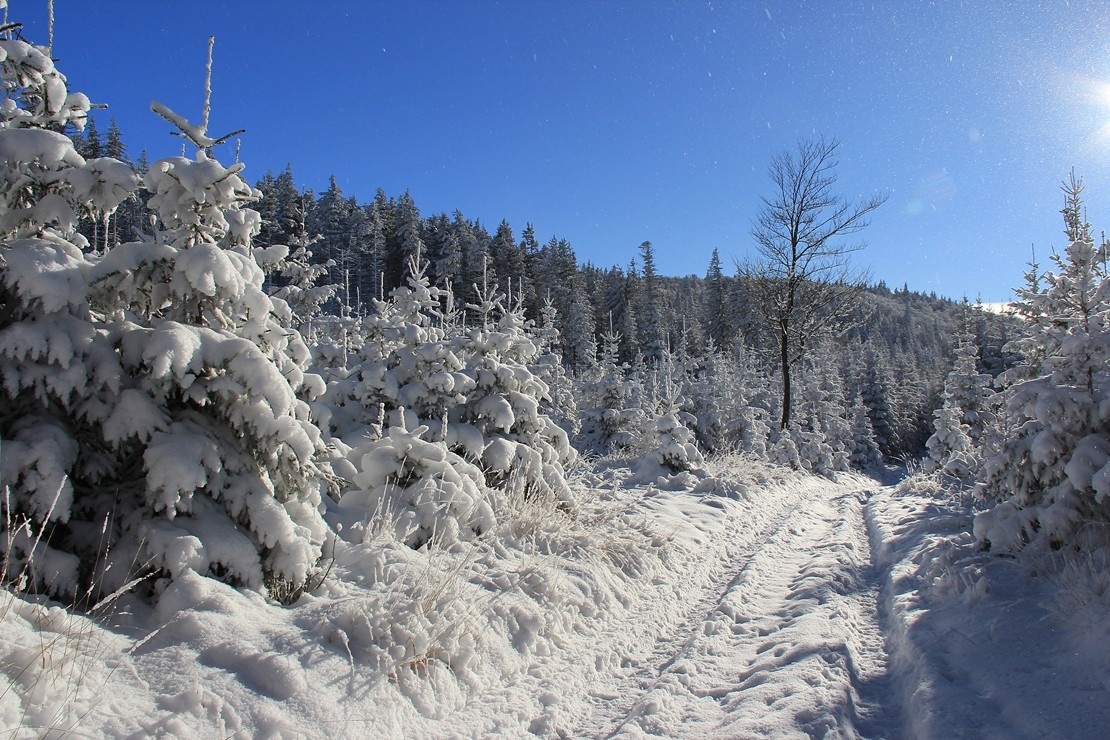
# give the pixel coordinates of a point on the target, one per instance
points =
(781, 636)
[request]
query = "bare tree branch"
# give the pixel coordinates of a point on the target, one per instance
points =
(802, 283)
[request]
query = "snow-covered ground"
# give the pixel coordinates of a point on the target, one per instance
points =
(759, 603)
(985, 646)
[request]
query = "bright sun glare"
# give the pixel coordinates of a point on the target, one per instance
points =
(1096, 94)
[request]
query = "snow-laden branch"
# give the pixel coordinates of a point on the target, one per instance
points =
(194, 133)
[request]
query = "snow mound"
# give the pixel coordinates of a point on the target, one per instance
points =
(997, 647)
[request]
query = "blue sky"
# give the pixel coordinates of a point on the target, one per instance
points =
(608, 123)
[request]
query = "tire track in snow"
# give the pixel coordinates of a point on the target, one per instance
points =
(787, 639)
(615, 702)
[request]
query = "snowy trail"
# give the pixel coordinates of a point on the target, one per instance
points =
(788, 634)
(754, 609)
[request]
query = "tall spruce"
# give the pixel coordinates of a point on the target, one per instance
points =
(653, 338)
(715, 308)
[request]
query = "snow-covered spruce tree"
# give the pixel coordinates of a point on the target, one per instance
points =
(298, 289)
(960, 424)
(820, 431)
(864, 454)
(970, 389)
(729, 402)
(525, 452)
(715, 309)
(1051, 475)
(783, 450)
(405, 380)
(328, 218)
(705, 397)
(579, 343)
(231, 487)
(153, 385)
(423, 490)
(337, 338)
(287, 256)
(949, 449)
(407, 365)
(436, 397)
(675, 452)
(560, 405)
(228, 483)
(55, 363)
(303, 289)
(749, 429)
(653, 335)
(876, 398)
(1027, 346)
(613, 415)
(834, 417)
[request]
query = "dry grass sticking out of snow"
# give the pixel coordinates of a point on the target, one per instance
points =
(55, 661)
(50, 666)
(1081, 581)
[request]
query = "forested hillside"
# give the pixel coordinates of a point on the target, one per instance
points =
(893, 352)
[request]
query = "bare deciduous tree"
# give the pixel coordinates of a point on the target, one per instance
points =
(801, 282)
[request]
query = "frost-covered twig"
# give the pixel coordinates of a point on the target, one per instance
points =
(208, 83)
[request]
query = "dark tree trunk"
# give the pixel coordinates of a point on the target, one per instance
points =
(784, 357)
